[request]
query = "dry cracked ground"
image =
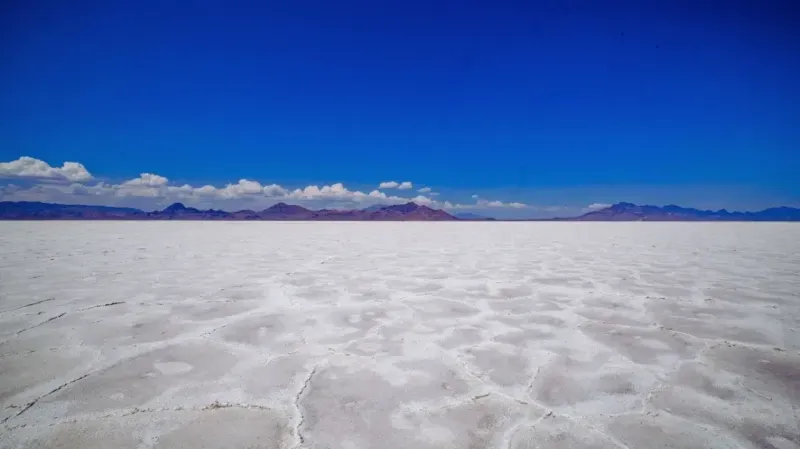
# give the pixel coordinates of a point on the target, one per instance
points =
(399, 335)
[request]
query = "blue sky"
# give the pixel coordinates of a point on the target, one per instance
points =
(553, 105)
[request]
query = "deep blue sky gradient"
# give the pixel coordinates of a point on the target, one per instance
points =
(507, 96)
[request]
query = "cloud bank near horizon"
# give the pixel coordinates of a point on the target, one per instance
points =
(72, 183)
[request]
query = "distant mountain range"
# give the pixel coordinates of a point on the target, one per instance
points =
(633, 212)
(47, 211)
(23, 210)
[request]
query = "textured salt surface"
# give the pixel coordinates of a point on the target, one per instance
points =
(399, 335)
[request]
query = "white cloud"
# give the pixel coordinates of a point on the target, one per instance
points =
(147, 185)
(147, 179)
(377, 194)
(423, 200)
(140, 190)
(245, 194)
(204, 191)
(246, 187)
(154, 186)
(150, 191)
(273, 190)
(337, 190)
(405, 185)
(597, 206)
(339, 196)
(28, 167)
(475, 197)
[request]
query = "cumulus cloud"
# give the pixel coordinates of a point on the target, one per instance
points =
(150, 191)
(405, 185)
(337, 190)
(377, 194)
(424, 201)
(155, 186)
(147, 179)
(28, 167)
(597, 206)
(246, 187)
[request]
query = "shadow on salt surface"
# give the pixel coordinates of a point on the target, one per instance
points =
(610, 316)
(22, 371)
(10, 326)
(212, 427)
(438, 310)
(648, 346)
(124, 325)
(273, 333)
(460, 337)
(275, 382)
(594, 387)
(231, 428)
(33, 360)
(705, 393)
(719, 319)
(199, 310)
(349, 324)
(501, 364)
(136, 381)
(643, 430)
(557, 432)
(525, 337)
(739, 330)
(379, 345)
(774, 372)
(422, 404)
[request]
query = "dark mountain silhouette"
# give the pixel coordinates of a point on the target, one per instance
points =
(26, 210)
(283, 211)
(47, 211)
(410, 211)
(374, 207)
(178, 211)
(633, 212)
(179, 208)
(33, 210)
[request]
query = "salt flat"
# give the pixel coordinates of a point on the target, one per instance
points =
(399, 335)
